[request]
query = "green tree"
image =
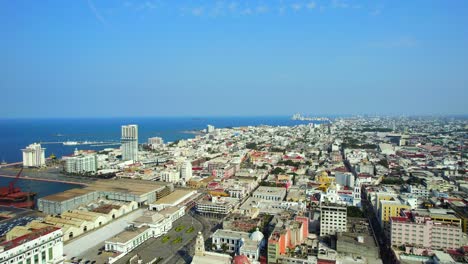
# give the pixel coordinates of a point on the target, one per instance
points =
(224, 247)
(353, 211)
(277, 171)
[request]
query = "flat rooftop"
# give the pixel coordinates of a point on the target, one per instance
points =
(127, 235)
(270, 190)
(174, 197)
(135, 187)
(68, 194)
(225, 233)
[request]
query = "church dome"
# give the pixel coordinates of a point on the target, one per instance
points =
(256, 236)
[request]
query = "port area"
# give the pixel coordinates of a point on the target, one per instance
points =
(12, 216)
(50, 174)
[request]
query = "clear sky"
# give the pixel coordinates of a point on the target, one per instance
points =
(256, 57)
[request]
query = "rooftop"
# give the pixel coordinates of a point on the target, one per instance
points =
(34, 234)
(128, 235)
(174, 197)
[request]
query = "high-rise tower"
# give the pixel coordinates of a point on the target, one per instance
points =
(130, 142)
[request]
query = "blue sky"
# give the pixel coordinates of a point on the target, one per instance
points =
(198, 58)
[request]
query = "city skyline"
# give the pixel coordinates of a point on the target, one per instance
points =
(232, 58)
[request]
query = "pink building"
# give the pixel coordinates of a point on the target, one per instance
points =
(422, 231)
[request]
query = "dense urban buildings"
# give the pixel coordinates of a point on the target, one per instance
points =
(350, 190)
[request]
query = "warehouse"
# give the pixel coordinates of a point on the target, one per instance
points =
(141, 192)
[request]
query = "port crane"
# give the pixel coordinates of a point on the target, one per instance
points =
(11, 185)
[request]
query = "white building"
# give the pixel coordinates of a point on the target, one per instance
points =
(150, 224)
(34, 156)
(240, 243)
(207, 257)
(270, 193)
(155, 142)
(186, 171)
(210, 129)
(170, 175)
(345, 179)
(332, 219)
(130, 142)
(216, 206)
(44, 245)
(81, 164)
(420, 191)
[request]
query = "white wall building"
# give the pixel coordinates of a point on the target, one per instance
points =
(151, 224)
(332, 219)
(155, 142)
(130, 142)
(240, 243)
(270, 193)
(345, 179)
(34, 156)
(170, 175)
(210, 129)
(43, 245)
(216, 206)
(420, 191)
(81, 164)
(186, 171)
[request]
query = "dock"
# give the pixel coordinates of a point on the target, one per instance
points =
(44, 179)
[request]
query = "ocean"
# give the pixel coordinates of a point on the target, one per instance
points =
(16, 134)
(42, 188)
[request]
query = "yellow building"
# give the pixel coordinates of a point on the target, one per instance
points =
(324, 180)
(390, 208)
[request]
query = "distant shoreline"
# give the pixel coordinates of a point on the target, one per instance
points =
(192, 132)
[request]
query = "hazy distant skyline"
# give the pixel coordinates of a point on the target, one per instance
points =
(232, 58)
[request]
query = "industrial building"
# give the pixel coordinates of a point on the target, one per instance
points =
(141, 192)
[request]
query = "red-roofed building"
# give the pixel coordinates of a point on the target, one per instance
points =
(240, 259)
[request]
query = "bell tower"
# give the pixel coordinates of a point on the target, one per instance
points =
(200, 245)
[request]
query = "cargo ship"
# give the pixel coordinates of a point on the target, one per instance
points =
(13, 196)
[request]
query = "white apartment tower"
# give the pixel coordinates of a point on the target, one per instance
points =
(130, 142)
(332, 219)
(34, 156)
(186, 171)
(210, 129)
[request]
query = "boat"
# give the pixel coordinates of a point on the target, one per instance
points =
(13, 196)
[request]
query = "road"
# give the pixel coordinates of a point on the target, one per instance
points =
(385, 251)
(83, 243)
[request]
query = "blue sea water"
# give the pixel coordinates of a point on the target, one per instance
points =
(42, 188)
(16, 134)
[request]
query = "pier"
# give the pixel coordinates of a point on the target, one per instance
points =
(44, 179)
(11, 164)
